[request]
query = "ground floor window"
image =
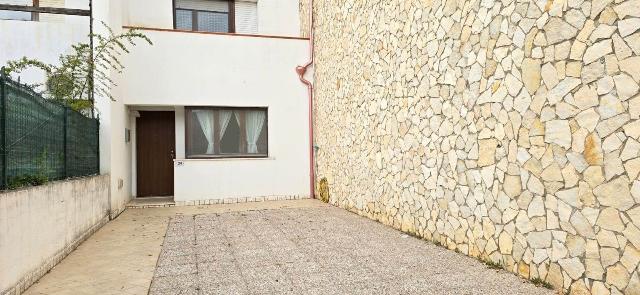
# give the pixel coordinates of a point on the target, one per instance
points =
(226, 132)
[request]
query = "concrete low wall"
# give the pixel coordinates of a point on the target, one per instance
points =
(39, 226)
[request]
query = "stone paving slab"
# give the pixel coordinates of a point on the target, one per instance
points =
(322, 250)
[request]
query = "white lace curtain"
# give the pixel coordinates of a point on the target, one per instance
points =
(206, 120)
(254, 124)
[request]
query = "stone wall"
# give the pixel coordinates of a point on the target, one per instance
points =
(507, 130)
(304, 18)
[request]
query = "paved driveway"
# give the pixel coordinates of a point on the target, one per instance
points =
(279, 247)
(320, 250)
(121, 257)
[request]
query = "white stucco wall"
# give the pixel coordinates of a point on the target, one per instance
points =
(114, 154)
(42, 41)
(275, 17)
(40, 225)
(138, 13)
(252, 72)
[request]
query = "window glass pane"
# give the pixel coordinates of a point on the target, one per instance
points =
(184, 19)
(213, 22)
(262, 140)
(230, 141)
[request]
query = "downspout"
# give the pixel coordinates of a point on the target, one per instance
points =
(301, 70)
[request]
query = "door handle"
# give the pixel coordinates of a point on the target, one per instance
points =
(172, 155)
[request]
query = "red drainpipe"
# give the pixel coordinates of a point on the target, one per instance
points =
(301, 70)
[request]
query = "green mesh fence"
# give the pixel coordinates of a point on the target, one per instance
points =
(41, 138)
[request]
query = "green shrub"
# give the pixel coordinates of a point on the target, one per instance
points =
(492, 265)
(26, 180)
(541, 283)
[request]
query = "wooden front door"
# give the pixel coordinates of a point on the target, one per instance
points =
(155, 145)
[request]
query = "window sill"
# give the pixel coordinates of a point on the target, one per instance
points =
(223, 159)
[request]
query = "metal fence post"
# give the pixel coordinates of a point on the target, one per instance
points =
(3, 96)
(65, 140)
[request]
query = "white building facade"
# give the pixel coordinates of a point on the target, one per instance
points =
(213, 110)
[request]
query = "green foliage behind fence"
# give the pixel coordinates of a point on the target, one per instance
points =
(41, 140)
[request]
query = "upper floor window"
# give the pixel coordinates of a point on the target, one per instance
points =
(205, 15)
(19, 15)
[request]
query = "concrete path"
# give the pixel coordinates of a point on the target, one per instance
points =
(290, 247)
